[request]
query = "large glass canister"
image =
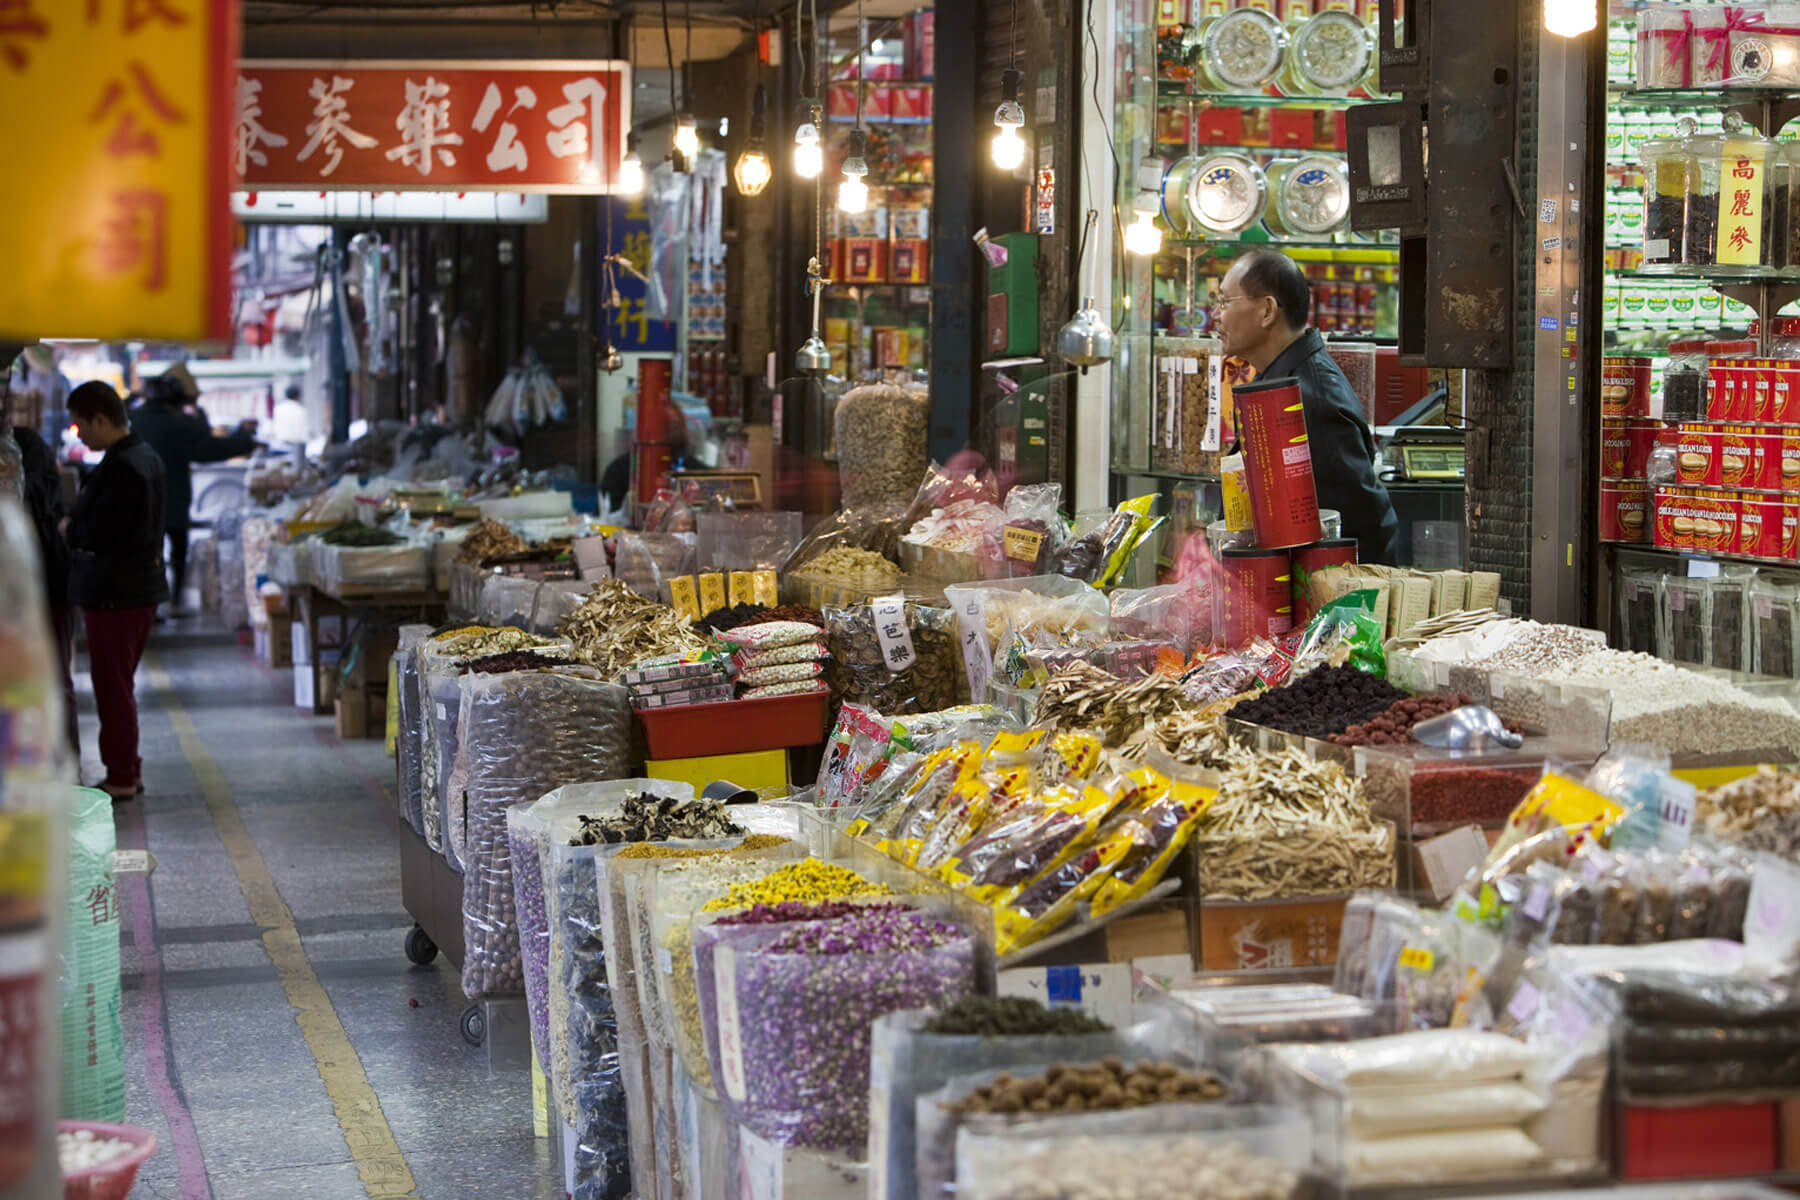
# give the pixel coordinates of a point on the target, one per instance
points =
(1227, 192)
(1684, 380)
(1309, 197)
(1242, 51)
(1784, 208)
(1328, 54)
(1706, 201)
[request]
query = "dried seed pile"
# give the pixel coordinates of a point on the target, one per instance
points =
(1285, 825)
(615, 627)
(1011, 1016)
(1097, 1087)
(853, 567)
(1082, 696)
(1393, 726)
(1091, 1168)
(1684, 712)
(514, 660)
(1537, 649)
(1758, 812)
(489, 539)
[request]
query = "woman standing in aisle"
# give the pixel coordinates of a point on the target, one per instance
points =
(115, 536)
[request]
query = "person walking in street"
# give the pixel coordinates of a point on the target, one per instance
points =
(181, 439)
(43, 501)
(115, 537)
(1261, 311)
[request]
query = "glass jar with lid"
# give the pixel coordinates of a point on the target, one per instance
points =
(1786, 341)
(1242, 51)
(1309, 196)
(1328, 54)
(1684, 380)
(1226, 193)
(1718, 185)
(1784, 208)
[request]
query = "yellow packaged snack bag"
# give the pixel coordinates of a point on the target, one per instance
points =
(1071, 757)
(1062, 834)
(966, 812)
(1154, 835)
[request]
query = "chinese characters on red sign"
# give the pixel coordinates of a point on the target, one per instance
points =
(449, 126)
(122, 220)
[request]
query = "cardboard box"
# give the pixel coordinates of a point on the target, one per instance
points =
(352, 714)
(1412, 602)
(1441, 863)
(865, 260)
(369, 667)
(1450, 591)
(1101, 990)
(1269, 934)
(909, 261)
(1148, 935)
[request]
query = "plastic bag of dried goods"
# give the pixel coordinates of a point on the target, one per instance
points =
(524, 734)
(896, 657)
(409, 749)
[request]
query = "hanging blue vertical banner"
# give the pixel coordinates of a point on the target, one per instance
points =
(629, 325)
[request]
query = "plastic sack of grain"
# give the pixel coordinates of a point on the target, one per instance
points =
(409, 749)
(772, 635)
(524, 734)
(583, 1065)
(788, 1040)
(906, 1063)
(1257, 1152)
(530, 830)
(93, 1048)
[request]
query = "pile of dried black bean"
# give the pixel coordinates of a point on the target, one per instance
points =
(1328, 701)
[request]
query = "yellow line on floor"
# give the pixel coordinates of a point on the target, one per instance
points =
(385, 1175)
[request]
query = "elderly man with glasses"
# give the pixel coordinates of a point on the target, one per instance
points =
(1260, 315)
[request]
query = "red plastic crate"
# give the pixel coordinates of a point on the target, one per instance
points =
(1703, 1141)
(736, 726)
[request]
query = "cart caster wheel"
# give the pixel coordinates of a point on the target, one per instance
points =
(419, 946)
(474, 1024)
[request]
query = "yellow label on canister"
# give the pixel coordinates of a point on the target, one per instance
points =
(712, 593)
(1741, 203)
(743, 589)
(684, 597)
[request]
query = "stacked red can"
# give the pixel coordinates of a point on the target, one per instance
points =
(1628, 430)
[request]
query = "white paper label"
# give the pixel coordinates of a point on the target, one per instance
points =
(443, 713)
(1496, 687)
(1215, 401)
(1676, 830)
(1443, 674)
(731, 1046)
(1656, 249)
(665, 960)
(1537, 902)
(689, 1121)
(892, 633)
(978, 661)
(760, 1162)
(1524, 1003)
(1772, 924)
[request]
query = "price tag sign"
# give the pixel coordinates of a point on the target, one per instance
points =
(1215, 403)
(760, 1160)
(892, 634)
(1416, 958)
(1524, 1003)
(1676, 805)
(731, 1044)
(971, 625)
(1021, 545)
(1772, 923)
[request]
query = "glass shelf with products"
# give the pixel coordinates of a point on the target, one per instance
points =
(1177, 89)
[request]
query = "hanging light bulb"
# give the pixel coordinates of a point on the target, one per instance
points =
(809, 155)
(752, 172)
(853, 193)
(687, 136)
(1570, 18)
(631, 169)
(1009, 118)
(1143, 236)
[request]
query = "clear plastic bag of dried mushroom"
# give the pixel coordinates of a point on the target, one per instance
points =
(881, 444)
(896, 660)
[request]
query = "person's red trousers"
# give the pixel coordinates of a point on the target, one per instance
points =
(116, 638)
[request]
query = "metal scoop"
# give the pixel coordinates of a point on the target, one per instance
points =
(1468, 728)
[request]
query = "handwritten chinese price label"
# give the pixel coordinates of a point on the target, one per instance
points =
(731, 1039)
(459, 126)
(892, 634)
(118, 199)
(1741, 204)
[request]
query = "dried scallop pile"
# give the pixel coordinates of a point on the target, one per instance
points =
(614, 627)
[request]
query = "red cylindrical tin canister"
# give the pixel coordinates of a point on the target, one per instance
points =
(651, 456)
(1256, 600)
(1271, 423)
(1333, 552)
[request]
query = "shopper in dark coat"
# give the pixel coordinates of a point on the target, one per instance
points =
(181, 440)
(115, 537)
(43, 500)
(1260, 312)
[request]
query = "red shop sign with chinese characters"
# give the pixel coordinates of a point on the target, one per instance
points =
(520, 126)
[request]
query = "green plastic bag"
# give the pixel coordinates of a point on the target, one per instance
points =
(93, 1042)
